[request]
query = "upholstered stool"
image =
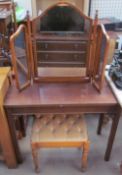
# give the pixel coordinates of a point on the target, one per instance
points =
(51, 131)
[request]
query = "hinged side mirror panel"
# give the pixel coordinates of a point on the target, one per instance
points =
(101, 56)
(19, 44)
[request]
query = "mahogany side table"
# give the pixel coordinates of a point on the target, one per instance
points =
(61, 98)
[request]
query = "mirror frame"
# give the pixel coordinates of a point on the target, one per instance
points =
(21, 28)
(101, 32)
(87, 76)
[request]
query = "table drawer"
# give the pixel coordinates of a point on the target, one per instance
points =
(61, 46)
(61, 57)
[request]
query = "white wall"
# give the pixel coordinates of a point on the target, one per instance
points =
(29, 4)
(25, 4)
(107, 8)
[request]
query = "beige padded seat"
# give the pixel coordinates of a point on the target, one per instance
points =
(59, 131)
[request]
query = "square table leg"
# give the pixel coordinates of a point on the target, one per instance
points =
(112, 133)
(99, 129)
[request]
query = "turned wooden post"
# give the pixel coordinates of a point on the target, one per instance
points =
(30, 42)
(94, 39)
(35, 159)
(85, 156)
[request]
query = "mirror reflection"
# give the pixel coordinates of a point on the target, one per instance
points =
(62, 40)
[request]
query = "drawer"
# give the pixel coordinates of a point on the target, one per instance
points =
(61, 46)
(61, 57)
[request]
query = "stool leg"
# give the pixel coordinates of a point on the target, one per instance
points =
(35, 159)
(84, 156)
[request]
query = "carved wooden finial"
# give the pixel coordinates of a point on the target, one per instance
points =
(96, 19)
(28, 14)
(28, 22)
(96, 15)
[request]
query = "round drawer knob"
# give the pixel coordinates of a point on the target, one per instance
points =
(76, 46)
(46, 56)
(75, 56)
(46, 46)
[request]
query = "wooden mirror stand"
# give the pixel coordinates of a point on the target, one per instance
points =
(63, 45)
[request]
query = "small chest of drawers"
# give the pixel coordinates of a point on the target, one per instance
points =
(61, 51)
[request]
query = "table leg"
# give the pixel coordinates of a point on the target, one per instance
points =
(112, 133)
(14, 138)
(99, 129)
(22, 125)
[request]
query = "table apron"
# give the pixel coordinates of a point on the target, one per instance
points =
(61, 109)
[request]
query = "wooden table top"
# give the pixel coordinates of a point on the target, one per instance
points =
(59, 94)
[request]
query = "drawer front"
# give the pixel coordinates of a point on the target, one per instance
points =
(61, 46)
(61, 57)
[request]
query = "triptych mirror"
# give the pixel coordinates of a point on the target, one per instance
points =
(60, 45)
